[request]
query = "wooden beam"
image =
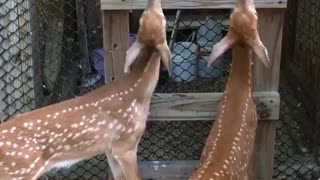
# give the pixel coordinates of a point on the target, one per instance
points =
(203, 106)
(270, 29)
(188, 4)
(181, 170)
(115, 42)
(107, 46)
(163, 170)
(264, 150)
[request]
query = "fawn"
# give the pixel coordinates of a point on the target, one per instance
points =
(228, 152)
(110, 120)
(151, 34)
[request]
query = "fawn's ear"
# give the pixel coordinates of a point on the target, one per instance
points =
(132, 54)
(262, 53)
(221, 47)
(165, 56)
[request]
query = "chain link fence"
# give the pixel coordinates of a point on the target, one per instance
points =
(298, 131)
(51, 51)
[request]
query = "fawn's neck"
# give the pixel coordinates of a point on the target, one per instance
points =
(145, 75)
(138, 85)
(245, 4)
(240, 78)
(154, 4)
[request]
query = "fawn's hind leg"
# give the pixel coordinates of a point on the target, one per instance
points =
(115, 169)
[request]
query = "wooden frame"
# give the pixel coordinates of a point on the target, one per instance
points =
(201, 106)
(190, 4)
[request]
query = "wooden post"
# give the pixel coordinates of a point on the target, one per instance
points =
(115, 42)
(270, 29)
(204, 106)
(16, 73)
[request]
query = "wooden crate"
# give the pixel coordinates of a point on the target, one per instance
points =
(199, 106)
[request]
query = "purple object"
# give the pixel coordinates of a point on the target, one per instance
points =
(133, 38)
(98, 56)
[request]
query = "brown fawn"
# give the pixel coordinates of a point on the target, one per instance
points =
(228, 152)
(110, 120)
(151, 34)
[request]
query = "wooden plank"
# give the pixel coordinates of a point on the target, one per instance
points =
(116, 43)
(187, 4)
(16, 63)
(120, 41)
(108, 67)
(203, 106)
(264, 150)
(181, 170)
(163, 170)
(270, 29)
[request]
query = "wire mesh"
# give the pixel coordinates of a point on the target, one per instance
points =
(191, 38)
(52, 51)
(298, 145)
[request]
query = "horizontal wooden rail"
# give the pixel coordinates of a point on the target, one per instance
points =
(163, 170)
(177, 170)
(187, 4)
(203, 106)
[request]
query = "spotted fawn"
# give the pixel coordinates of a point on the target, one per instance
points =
(109, 120)
(228, 152)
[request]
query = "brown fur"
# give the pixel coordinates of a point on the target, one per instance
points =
(37, 141)
(230, 117)
(243, 31)
(151, 34)
(229, 150)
